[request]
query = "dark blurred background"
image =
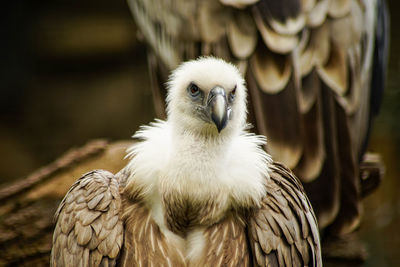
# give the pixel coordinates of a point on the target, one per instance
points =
(71, 71)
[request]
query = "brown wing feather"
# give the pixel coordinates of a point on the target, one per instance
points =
(291, 52)
(284, 231)
(89, 231)
(145, 244)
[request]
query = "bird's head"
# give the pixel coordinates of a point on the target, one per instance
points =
(207, 96)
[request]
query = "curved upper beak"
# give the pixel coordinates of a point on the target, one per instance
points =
(218, 107)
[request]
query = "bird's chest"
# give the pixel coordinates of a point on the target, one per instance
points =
(148, 243)
(192, 195)
(183, 212)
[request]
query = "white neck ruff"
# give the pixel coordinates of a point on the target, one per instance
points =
(236, 167)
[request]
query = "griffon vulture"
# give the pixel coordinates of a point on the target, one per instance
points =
(314, 70)
(199, 190)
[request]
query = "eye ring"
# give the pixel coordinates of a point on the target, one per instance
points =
(232, 94)
(193, 90)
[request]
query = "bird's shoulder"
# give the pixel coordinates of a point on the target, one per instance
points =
(283, 231)
(88, 228)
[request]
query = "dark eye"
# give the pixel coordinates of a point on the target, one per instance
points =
(194, 90)
(233, 93)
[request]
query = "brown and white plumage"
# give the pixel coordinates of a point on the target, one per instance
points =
(199, 190)
(89, 231)
(308, 65)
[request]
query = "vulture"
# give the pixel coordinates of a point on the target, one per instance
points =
(199, 190)
(314, 70)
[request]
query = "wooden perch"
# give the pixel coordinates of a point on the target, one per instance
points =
(44, 173)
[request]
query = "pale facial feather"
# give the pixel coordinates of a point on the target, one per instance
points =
(206, 73)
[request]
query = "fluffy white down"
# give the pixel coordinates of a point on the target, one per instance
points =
(237, 168)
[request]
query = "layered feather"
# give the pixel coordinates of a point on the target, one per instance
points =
(89, 230)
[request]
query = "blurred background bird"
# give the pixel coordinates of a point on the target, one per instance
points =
(315, 72)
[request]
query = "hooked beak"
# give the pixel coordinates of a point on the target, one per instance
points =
(218, 107)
